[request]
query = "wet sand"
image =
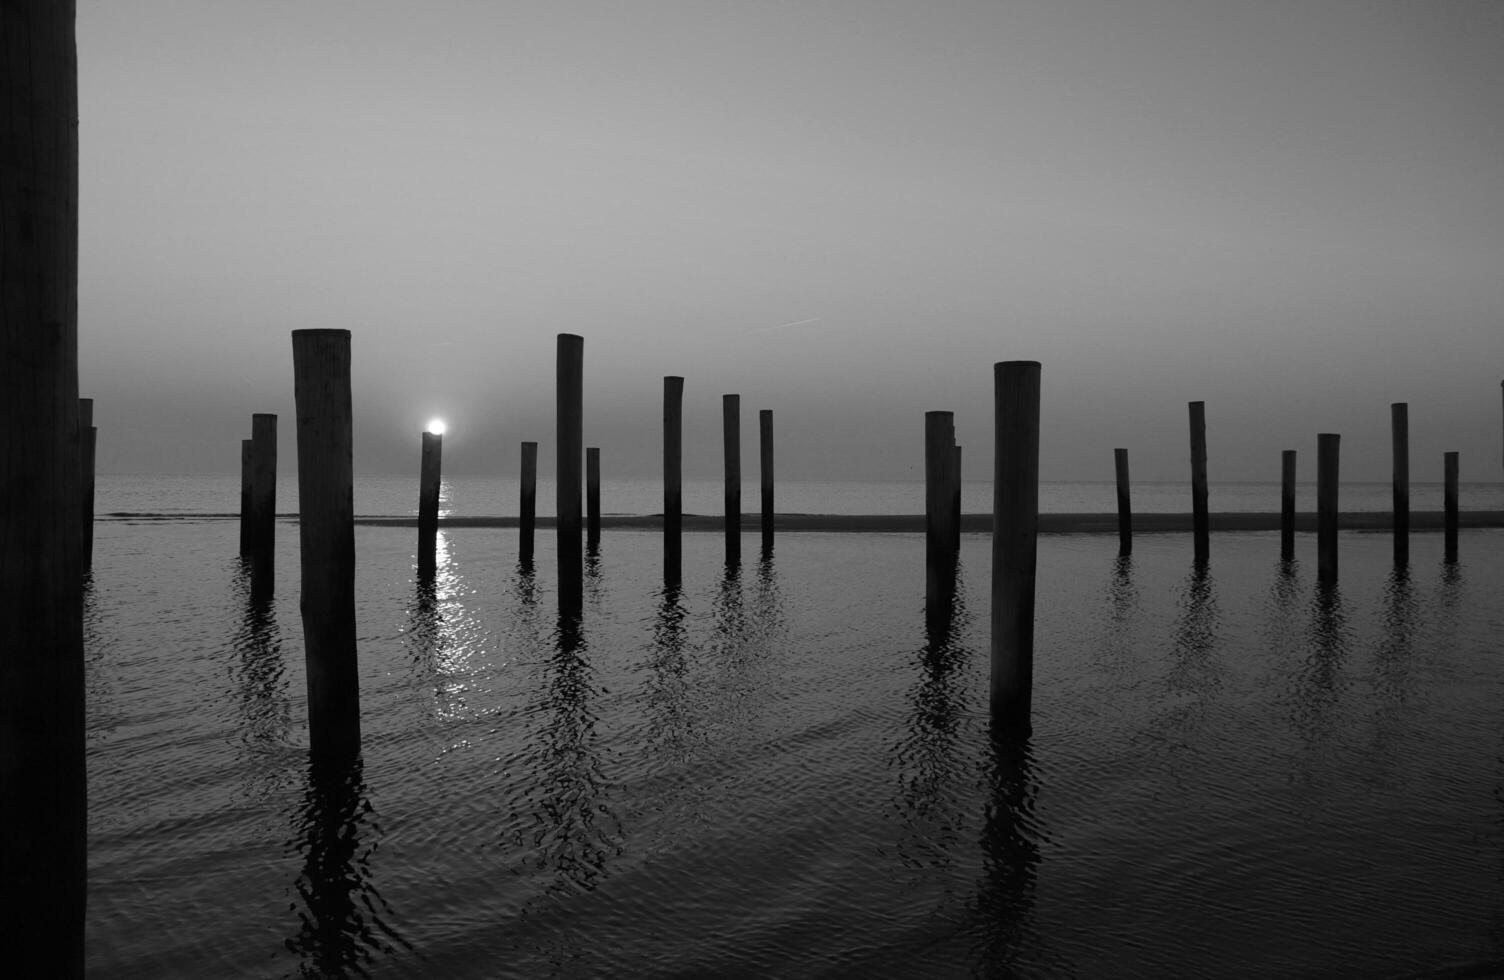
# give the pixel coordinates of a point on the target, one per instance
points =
(1048, 523)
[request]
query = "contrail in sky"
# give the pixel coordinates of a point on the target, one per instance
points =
(791, 323)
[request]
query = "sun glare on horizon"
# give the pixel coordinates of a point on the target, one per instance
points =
(436, 426)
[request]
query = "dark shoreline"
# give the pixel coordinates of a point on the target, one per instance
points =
(914, 523)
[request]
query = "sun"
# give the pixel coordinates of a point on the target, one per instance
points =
(436, 426)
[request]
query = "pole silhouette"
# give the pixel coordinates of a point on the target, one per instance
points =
(1287, 505)
(429, 479)
(593, 497)
(765, 458)
(570, 395)
(1399, 421)
(1015, 530)
(1200, 521)
(1125, 506)
(1327, 447)
(527, 505)
(731, 432)
(1449, 498)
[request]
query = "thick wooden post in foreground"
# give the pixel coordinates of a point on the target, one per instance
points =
(570, 434)
(1327, 446)
(765, 459)
(42, 775)
(1399, 421)
(1125, 506)
(939, 509)
(87, 442)
(731, 436)
(263, 491)
(247, 469)
(430, 465)
(593, 495)
(326, 537)
(527, 505)
(1015, 530)
(1287, 505)
(1449, 498)
(1200, 522)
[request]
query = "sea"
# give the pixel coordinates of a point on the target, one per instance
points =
(782, 766)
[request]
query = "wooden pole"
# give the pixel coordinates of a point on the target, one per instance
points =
(429, 478)
(1015, 528)
(88, 441)
(247, 469)
(593, 496)
(1399, 421)
(570, 433)
(765, 458)
(673, 452)
(527, 507)
(1327, 446)
(1125, 507)
(263, 495)
(42, 772)
(955, 496)
(731, 432)
(1449, 468)
(939, 535)
(326, 537)
(1200, 522)
(1287, 505)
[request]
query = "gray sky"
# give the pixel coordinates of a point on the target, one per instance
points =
(844, 211)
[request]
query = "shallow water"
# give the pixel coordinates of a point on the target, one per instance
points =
(780, 771)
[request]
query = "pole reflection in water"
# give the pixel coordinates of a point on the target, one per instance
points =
(1319, 680)
(1119, 648)
(441, 635)
(934, 770)
(1009, 943)
(261, 682)
(1393, 663)
(343, 920)
(1193, 677)
(672, 729)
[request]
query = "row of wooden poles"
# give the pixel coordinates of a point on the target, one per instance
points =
(321, 374)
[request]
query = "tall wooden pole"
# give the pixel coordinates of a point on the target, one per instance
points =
(326, 539)
(1449, 497)
(765, 459)
(939, 509)
(42, 775)
(673, 468)
(570, 433)
(247, 471)
(527, 506)
(731, 437)
(1399, 421)
(429, 479)
(1200, 522)
(263, 498)
(88, 441)
(1327, 446)
(1015, 530)
(1125, 506)
(1287, 505)
(593, 496)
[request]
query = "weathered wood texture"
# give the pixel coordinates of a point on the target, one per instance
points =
(1328, 445)
(42, 776)
(1015, 508)
(326, 538)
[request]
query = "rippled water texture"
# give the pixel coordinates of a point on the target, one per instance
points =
(781, 769)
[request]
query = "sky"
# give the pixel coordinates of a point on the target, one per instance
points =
(845, 212)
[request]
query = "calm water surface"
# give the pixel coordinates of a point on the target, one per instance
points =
(780, 769)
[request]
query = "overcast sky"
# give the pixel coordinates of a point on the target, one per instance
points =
(843, 211)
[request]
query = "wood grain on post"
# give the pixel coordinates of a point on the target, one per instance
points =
(527, 506)
(326, 537)
(1327, 449)
(593, 494)
(1125, 506)
(1015, 529)
(1449, 499)
(42, 768)
(247, 471)
(765, 459)
(430, 468)
(731, 437)
(1399, 421)
(570, 434)
(1200, 521)
(1287, 505)
(88, 441)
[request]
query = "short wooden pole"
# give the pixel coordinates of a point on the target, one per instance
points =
(570, 433)
(247, 471)
(263, 497)
(88, 437)
(326, 534)
(527, 505)
(1015, 528)
(939, 508)
(1287, 505)
(430, 469)
(1399, 422)
(593, 495)
(1200, 521)
(1449, 468)
(1125, 506)
(1327, 447)
(765, 459)
(731, 432)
